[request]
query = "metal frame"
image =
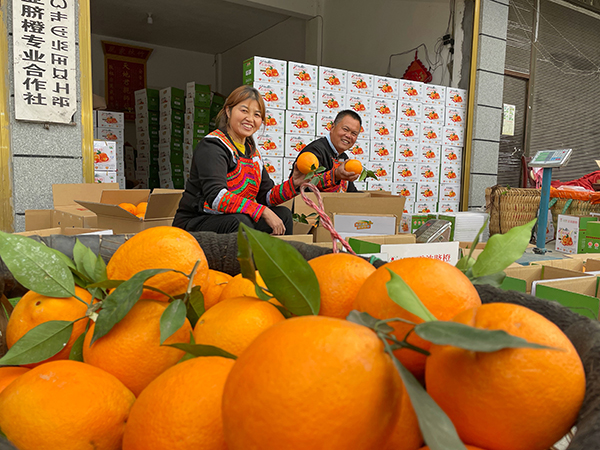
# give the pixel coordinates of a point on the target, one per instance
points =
(87, 101)
(6, 207)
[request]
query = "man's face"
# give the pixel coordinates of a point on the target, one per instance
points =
(344, 134)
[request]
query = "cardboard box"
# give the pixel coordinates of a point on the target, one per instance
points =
(331, 79)
(300, 98)
(580, 295)
(385, 87)
(452, 154)
(411, 90)
(449, 192)
(110, 134)
(265, 70)
(450, 173)
(565, 263)
(407, 152)
(456, 97)
(406, 172)
(324, 123)
(409, 223)
(273, 94)
(444, 251)
(361, 150)
(273, 166)
(592, 237)
(331, 102)
(427, 173)
(408, 132)
(571, 232)
(427, 191)
(383, 170)
(199, 93)
(172, 98)
(271, 144)
(300, 74)
(65, 231)
(368, 224)
(384, 108)
(373, 244)
(359, 103)
(360, 83)
(382, 150)
(383, 129)
(425, 207)
(162, 205)
(409, 111)
(408, 190)
(453, 136)
(521, 278)
(110, 119)
(295, 143)
(300, 122)
(434, 94)
(304, 238)
(375, 185)
(431, 134)
(147, 99)
(274, 121)
(430, 154)
(455, 117)
(105, 155)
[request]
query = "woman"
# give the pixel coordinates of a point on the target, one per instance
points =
(228, 182)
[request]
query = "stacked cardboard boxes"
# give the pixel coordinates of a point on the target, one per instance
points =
(170, 146)
(109, 153)
(197, 120)
(147, 133)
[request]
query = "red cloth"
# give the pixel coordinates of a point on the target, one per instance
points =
(585, 181)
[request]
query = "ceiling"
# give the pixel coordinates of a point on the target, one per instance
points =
(207, 26)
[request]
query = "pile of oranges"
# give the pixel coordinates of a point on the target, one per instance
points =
(138, 210)
(310, 382)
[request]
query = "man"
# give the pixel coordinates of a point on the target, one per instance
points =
(330, 149)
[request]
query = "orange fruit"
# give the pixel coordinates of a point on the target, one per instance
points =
(406, 434)
(307, 162)
(517, 399)
(141, 215)
(65, 405)
(353, 165)
(340, 277)
(239, 286)
(9, 374)
(181, 408)
(129, 207)
(160, 248)
(469, 447)
(217, 281)
(235, 322)
(141, 208)
(442, 288)
(131, 350)
(34, 309)
(311, 382)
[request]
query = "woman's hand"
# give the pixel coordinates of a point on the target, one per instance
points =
(273, 221)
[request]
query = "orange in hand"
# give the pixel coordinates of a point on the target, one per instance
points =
(307, 162)
(353, 165)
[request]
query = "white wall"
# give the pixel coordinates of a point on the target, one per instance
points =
(166, 66)
(283, 41)
(360, 36)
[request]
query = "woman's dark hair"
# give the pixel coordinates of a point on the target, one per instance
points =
(237, 96)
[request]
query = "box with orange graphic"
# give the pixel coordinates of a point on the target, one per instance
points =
(429, 153)
(361, 150)
(406, 172)
(385, 87)
(410, 90)
(376, 185)
(300, 98)
(331, 101)
(408, 132)
(434, 114)
(454, 136)
(110, 119)
(274, 120)
(110, 134)
(407, 151)
(360, 185)
(382, 169)
(360, 104)
(324, 123)
(409, 111)
(383, 129)
(273, 165)
(274, 95)
(456, 117)
(348, 225)
(270, 144)
(300, 122)
(425, 207)
(105, 155)
(300, 74)
(288, 166)
(431, 134)
(452, 154)
(406, 189)
(428, 173)
(427, 192)
(450, 173)
(449, 192)
(295, 143)
(365, 128)
(448, 207)
(360, 83)
(434, 94)
(331, 79)
(409, 208)
(265, 70)
(456, 97)
(384, 108)
(382, 150)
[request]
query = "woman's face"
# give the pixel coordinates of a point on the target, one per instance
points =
(244, 119)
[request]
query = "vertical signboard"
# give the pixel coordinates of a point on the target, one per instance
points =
(45, 70)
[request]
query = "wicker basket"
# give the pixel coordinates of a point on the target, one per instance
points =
(511, 207)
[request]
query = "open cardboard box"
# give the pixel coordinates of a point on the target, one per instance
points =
(304, 238)
(566, 263)
(365, 224)
(66, 212)
(69, 231)
(580, 295)
(162, 205)
(404, 246)
(521, 278)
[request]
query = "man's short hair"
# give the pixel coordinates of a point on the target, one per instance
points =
(344, 113)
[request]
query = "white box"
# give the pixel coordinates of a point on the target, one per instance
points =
(429, 153)
(276, 178)
(408, 132)
(370, 224)
(428, 173)
(444, 251)
(409, 111)
(406, 172)
(271, 144)
(425, 207)
(434, 114)
(567, 234)
(266, 70)
(324, 123)
(105, 156)
(456, 117)
(295, 143)
(300, 122)
(427, 192)
(410, 90)
(383, 129)
(383, 170)
(332, 79)
(274, 95)
(110, 134)
(300, 98)
(407, 151)
(110, 119)
(456, 97)
(409, 208)
(382, 150)
(101, 176)
(141, 110)
(273, 165)
(360, 104)
(331, 101)
(453, 136)
(450, 173)
(431, 134)
(448, 207)
(434, 94)
(374, 185)
(449, 192)
(385, 87)
(408, 190)
(360, 83)
(288, 166)
(300, 74)
(360, 150)
(274, 120)
(365, 128)
(360, 185)
(452, 154)
(384, 108)
(190, 107)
